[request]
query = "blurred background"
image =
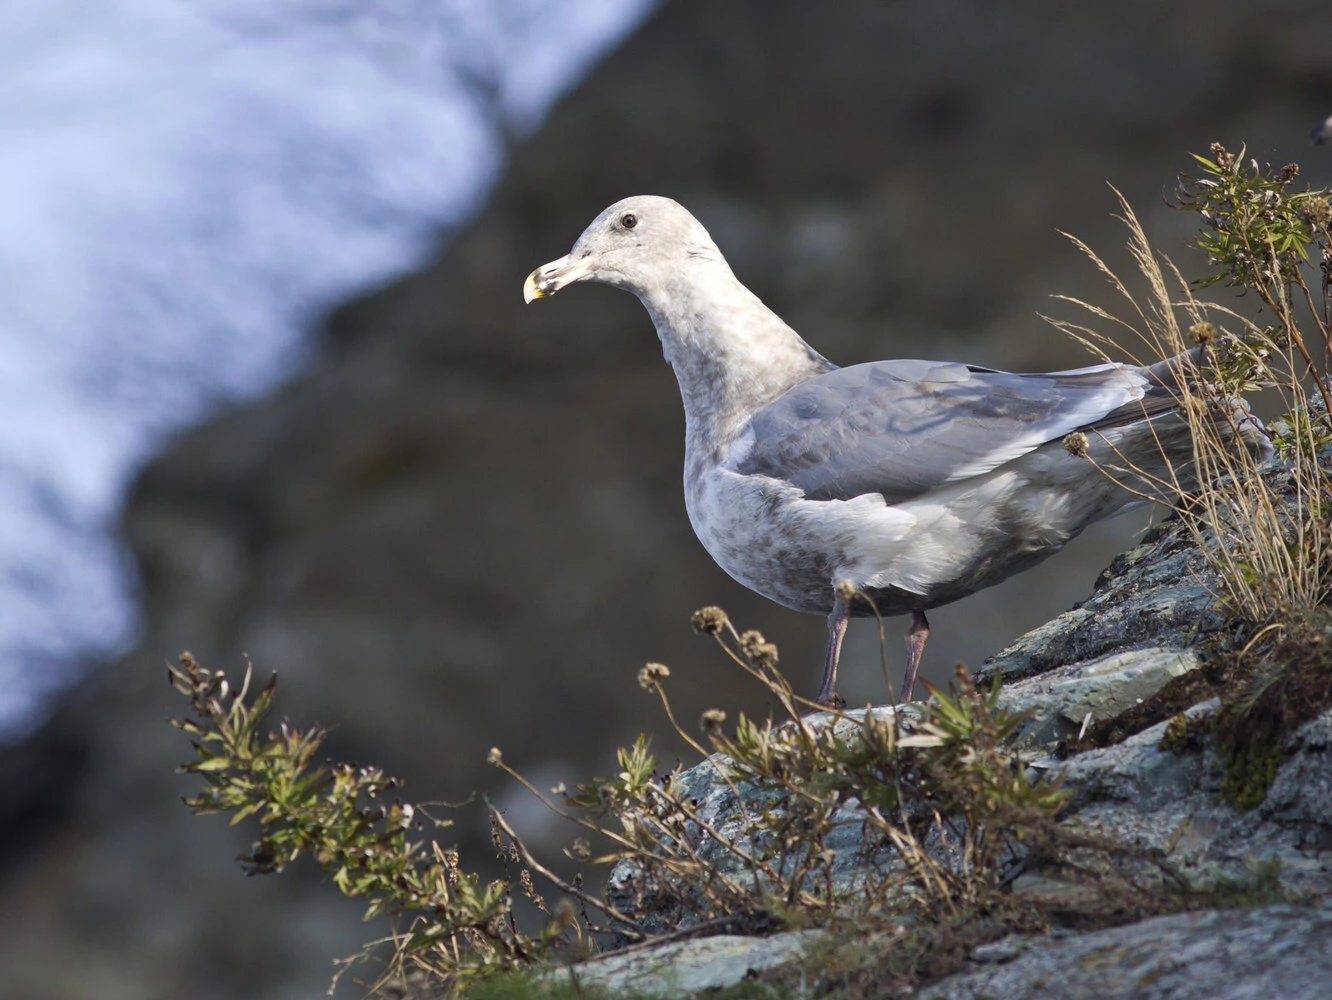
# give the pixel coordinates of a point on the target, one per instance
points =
(268, 387)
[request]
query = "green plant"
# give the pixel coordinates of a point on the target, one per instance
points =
(854, 819)
(447, 924)
(897, 833)
(937, 812)
(938, 806)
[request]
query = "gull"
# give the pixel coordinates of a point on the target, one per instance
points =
(890, 487)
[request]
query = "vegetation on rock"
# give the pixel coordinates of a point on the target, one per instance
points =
(1266, 531)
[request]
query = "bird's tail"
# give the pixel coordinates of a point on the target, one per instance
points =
(1184, 377)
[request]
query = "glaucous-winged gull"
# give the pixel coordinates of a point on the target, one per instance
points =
(916, 482)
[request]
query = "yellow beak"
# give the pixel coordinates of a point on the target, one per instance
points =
(548, 279)
(532, 290)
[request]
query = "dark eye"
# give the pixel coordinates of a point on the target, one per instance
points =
(629, 220)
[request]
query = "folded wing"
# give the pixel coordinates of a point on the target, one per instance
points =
(902, 428)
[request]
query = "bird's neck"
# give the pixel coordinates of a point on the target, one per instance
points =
(731, 354)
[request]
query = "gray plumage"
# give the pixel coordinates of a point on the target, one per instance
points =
(902, 428)
(917, 482)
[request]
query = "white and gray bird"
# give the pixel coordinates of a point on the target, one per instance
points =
(918, 482)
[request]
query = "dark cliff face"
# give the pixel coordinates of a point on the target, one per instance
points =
(464, 525)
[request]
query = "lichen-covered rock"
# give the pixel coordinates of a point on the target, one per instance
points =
(1160, 801)
(687, 968)
(1140, 794)
(1066, 701)
(1161, 593)
(1165, 802)
(1242, 954)
(1301, 794)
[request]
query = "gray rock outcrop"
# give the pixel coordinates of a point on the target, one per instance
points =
(1133, 791)
(1245, 954)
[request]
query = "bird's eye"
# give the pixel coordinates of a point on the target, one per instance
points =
(629, 220)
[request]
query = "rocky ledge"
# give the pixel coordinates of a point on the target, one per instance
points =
(1094, 675)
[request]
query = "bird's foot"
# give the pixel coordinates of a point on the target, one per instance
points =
(833, 702)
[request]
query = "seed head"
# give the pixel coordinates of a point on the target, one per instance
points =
(1076, 444)
(711, 721)
(757, 650)
(1224, 158)
(962, 679)
(1203, 332)
(709, 620)
(494, 757)
(1317, 212)
(652, 675)
(529, 888)
(845, 589)
(565, 913)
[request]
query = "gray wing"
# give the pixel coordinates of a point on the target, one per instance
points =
(901, 428)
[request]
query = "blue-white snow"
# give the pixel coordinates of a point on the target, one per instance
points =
(184, 186)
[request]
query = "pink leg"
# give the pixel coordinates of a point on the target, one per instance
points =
(837, 622)
(915, 644)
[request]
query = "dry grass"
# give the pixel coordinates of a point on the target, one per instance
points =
(1267, 532)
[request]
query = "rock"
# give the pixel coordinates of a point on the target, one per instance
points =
(1244, 954)
(687, 968)
(998, 952)
(1152, 799)
(1066, 701)
(1301, 794)
(1240, 954)
(1160, 594)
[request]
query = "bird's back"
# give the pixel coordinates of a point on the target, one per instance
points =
(923, 482)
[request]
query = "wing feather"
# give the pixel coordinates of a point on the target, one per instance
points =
(902, 428)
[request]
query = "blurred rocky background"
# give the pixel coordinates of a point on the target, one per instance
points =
(461, 525)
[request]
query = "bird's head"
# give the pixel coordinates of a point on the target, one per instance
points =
(635, 244)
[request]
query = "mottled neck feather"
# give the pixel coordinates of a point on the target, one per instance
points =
(731, 353)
